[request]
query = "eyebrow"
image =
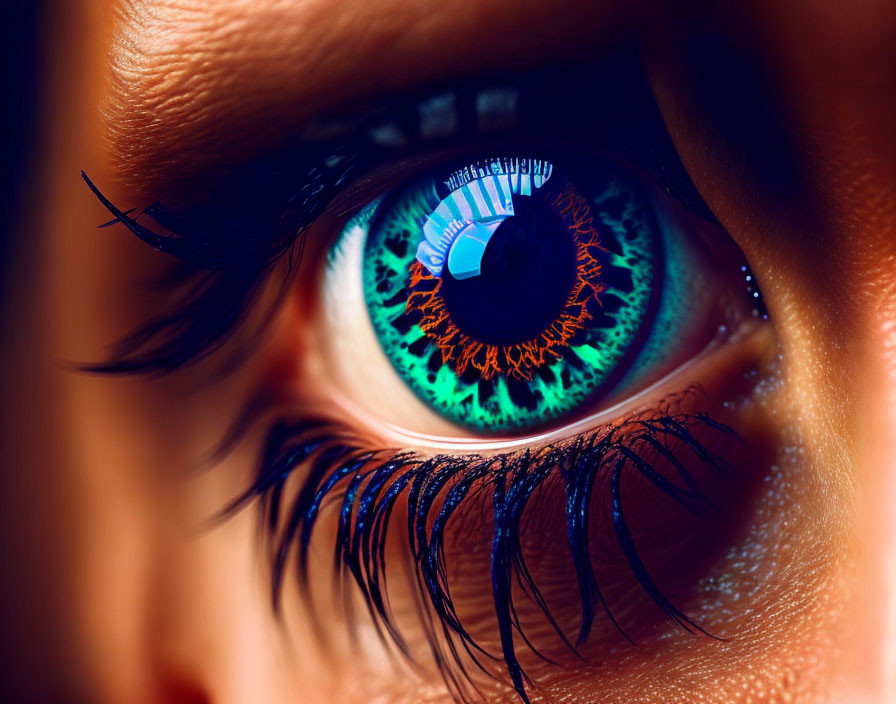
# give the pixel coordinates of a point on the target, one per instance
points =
(192, 84)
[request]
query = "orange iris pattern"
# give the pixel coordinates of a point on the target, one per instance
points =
(520, 360)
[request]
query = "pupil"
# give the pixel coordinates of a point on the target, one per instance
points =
(527, 273)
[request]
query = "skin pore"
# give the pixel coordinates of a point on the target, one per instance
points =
(120, 593)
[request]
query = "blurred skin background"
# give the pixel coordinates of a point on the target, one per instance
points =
(113, 587)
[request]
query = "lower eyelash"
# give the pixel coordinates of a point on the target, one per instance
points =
(368, 485)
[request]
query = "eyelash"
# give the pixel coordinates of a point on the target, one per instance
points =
(221, 275)
(224, 271)
(367, 485)
(258, 214)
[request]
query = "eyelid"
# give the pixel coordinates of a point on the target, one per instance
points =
(248, 194)
(370, 484)
(258, 212)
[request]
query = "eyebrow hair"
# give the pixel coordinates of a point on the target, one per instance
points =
(190, 84)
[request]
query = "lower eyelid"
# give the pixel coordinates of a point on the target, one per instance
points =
(728, 376)
(650, 516)
(341, 460)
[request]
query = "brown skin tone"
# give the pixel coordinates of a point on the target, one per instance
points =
(119, 596)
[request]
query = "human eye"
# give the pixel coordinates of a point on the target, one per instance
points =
(516, 293)
(525, 361)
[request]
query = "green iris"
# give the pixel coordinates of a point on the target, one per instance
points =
(513, 292)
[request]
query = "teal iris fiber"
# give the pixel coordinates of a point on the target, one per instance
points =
(676, 308)
(604, 351)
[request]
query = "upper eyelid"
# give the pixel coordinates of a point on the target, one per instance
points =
(238, 251)
(258, 212)
(393, 134)
(340, 148)
(188, 82)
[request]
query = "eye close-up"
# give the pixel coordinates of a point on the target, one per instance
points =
(535, 333)
(518, 293)
(436, 352)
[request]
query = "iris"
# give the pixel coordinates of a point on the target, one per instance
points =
(515, 290)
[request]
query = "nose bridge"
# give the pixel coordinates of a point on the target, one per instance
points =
(877, 420)
(868, 667)
(853, 149)
(887, 438)
(214, 637)
(214, 631)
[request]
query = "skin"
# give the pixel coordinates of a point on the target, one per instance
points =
(120, 596)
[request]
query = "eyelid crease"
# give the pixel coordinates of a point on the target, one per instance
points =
(193, 82)
(342, 143)
(369, 485)
(258, 211)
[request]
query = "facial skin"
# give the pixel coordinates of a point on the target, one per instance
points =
(116, 589)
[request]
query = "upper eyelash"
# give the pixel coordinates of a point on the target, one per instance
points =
(232, 255)
(367, 485)
(225, 269)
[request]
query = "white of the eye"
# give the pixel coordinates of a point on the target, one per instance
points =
(354, 364)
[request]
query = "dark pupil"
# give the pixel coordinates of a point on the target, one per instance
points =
(528, 271)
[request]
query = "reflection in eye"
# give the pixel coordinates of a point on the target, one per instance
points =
(515, 291)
